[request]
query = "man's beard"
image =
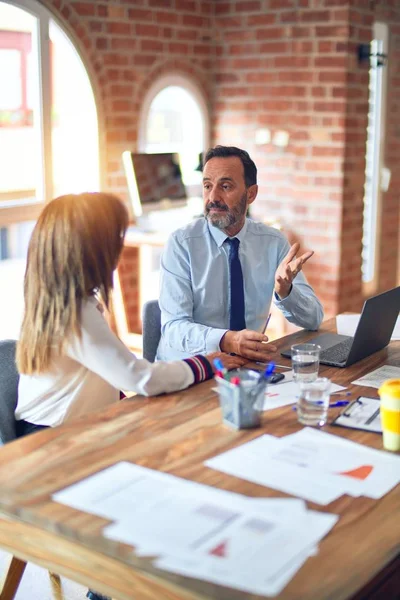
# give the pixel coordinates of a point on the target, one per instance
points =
(231, 217)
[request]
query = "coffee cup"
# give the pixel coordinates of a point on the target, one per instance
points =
(389, 393)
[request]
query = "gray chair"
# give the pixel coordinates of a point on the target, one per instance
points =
(8, 390)
(151, 320)
(8, 400)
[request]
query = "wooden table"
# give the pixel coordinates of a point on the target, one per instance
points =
(176, 433)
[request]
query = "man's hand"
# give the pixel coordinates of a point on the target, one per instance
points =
(229, 362)
(288, 269)
(248, 344)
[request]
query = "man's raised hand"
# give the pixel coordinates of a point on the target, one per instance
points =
(288, 269)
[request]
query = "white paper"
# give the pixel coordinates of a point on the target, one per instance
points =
(373, 472)
(249, 570)
(127, 493)
(192, 567)
(347, 325)
(284, 510)
(312, 464)
(376, 378)
(282, 394)
(363, 413)
(122, 491)
(285, 392)
(88, 494)
(179, 520)
(252, 537)
(253, 461)
(177, 525)
(254, 544)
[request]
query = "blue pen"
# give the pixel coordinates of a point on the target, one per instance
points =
(333, 405)
(221, 371)
(268, 371)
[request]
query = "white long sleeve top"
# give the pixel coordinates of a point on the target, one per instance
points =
(89, 376)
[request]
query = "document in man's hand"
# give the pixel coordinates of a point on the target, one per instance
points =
(363, 413)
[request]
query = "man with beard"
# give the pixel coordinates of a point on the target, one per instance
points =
(219, 274)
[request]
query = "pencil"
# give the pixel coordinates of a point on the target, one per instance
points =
(266, 323)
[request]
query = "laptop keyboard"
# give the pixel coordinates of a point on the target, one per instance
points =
(337, 353)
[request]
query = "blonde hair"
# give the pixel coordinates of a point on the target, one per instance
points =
(72, 254)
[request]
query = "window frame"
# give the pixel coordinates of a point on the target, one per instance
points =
(12, 211)
(381, 32)
(18, 41)
(162, 82)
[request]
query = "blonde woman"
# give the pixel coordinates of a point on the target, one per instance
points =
(70, 362)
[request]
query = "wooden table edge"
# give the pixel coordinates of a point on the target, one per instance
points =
(70, 559)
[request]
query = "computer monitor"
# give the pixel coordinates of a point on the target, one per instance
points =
(154, 181)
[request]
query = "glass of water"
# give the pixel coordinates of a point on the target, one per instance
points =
(305, 362)
(313, 402)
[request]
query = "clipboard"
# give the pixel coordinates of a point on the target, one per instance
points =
(363, 413)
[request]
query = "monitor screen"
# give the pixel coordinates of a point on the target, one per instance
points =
(154, 180)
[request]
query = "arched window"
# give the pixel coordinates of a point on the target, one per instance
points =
(48, 117)
(174, 119)
(48, 134)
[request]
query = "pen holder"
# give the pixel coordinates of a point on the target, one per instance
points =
(242, 403)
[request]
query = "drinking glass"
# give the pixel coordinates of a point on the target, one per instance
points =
(313, 402)
(305, 362)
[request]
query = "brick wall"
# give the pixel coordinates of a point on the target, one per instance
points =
(361, 17)
(288, 72)
(292, 65)
(281, 64)
(126, 45)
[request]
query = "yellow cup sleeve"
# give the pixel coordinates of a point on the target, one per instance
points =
(390, 420)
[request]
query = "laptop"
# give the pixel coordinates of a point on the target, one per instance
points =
(373, 332)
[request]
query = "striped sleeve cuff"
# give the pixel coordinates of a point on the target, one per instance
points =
(201, 368)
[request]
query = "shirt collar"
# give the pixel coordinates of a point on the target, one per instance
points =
(220, 236)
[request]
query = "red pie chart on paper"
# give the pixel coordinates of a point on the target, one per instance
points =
(359, 473)
(220, 550)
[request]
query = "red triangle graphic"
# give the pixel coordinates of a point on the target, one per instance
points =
(359, 473)
(220, 550)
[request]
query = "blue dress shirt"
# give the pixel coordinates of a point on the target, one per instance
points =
(194, 287)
